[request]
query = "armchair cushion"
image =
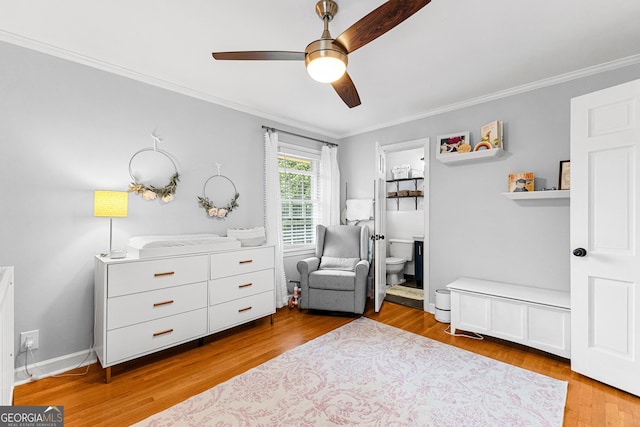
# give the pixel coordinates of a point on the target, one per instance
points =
(337, 280)
(338, 263)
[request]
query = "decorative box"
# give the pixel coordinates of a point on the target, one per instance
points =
(248, 236)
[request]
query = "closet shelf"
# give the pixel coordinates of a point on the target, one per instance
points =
(417, 178)
(550, 194)
(403, 197)
(409, 196)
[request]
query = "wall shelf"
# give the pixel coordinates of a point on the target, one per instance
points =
(416, 179)
(530, 195)
(474, 156)
(415, 187)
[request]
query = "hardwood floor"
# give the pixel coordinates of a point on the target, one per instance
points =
(148, 385)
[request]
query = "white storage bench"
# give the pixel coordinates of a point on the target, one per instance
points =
(535, 317)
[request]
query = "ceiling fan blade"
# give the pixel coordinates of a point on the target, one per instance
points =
(260, 55)
(378, 22)
(347, 90)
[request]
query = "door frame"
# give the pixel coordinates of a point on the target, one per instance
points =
(380, 217)
(425, 144)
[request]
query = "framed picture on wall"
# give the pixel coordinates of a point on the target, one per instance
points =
(453, 143)
(564, 180)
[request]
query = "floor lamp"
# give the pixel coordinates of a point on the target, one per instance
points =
(111, 204)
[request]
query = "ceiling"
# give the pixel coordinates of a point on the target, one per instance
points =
(450, 54)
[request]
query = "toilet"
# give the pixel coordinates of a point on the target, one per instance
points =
(400, 252)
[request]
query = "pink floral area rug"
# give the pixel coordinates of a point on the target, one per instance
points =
(370, 374)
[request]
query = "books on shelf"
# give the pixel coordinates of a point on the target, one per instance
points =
(490, 135)
(519, 182)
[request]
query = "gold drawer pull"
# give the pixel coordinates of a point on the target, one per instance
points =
(244, 309)
(168, 273)
(158, 304)
(168, 331)
(246, 285)
(246, 261)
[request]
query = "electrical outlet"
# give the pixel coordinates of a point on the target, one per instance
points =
(29, 337)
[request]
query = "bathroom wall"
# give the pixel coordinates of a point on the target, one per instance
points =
(405, 218)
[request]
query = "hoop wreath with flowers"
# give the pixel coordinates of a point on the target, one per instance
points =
(149, 192)
(219, 212)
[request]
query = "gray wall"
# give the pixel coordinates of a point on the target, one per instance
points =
(67, 130)
(474, 230)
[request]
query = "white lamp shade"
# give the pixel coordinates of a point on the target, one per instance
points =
(326, 69)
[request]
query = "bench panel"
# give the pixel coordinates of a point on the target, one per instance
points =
(538, 318)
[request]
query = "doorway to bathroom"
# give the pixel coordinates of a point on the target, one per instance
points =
(406, 223)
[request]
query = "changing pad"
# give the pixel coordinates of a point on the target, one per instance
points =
(179, 244)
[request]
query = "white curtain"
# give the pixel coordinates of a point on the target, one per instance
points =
(330, 185)
(273, 212)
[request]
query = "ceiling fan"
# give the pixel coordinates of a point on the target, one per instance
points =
(326, 58)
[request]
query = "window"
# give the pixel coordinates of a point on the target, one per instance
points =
(300, 194)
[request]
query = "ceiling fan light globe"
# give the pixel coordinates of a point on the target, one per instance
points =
(326, 69)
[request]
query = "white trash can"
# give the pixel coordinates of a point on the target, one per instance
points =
(443, 305)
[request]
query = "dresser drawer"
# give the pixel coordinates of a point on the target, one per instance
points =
(236, 312)
(225, 264)
(137, 308)
(235, 287)
(133, 341)
(142, 276)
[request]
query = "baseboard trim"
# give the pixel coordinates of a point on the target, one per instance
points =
(55, 366)
(431, 308)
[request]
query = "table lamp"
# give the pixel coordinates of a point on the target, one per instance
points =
(111, 204)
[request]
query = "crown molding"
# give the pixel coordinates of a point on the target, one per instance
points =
(153, 81)
(528, 87)
(164, 84)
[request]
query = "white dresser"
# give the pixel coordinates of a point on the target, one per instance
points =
(146, 305)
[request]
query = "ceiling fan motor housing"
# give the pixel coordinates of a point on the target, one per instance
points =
(325, 48)
(327, 8)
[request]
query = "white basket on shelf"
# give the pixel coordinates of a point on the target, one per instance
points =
(401, 172)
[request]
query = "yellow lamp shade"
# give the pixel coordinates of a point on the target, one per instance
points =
(113, 204)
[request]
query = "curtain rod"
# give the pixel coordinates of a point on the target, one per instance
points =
(301, 136)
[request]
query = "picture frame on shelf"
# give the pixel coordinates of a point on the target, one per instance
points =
(564, 176)
(521, 182)
(453, 143)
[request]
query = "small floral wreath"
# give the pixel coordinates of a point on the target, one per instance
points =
(217, 211)
(150, 192)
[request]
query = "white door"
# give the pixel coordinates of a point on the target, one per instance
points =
(605, 266)
(379, 242)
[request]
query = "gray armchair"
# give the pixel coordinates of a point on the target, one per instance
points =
(336, 278)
